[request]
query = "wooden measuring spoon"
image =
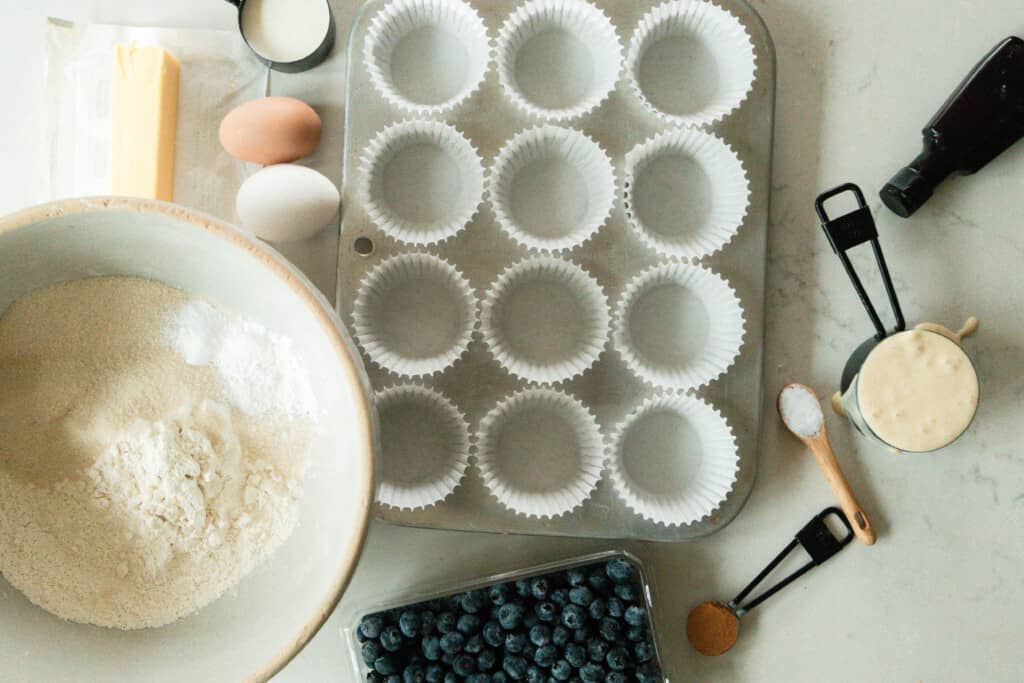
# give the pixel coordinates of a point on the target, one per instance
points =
(800, 410)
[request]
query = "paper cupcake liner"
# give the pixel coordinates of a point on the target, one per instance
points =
(527, 154)
(412, 225)
(720, 32)
(540, 453)
(418, 423)
(414, 315)
(397, 20)
(729, 189)
(576, 18)
(650, 326)
(545, 320)
(695, 498)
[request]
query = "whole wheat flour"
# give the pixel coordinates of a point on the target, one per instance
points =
(132, 491)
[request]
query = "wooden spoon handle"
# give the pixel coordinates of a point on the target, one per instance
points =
(826, 458)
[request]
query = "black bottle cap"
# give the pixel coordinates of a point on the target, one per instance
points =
(907, 192)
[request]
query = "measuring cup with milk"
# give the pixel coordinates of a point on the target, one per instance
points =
(910, 390)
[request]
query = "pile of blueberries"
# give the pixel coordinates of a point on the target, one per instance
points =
(586, 624)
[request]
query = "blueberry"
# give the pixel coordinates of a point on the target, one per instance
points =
(635, 634)
(545, 611)
(434, 673)
(599, 582)
(523, 587)
(619, 570)
(414, 673)
(515, 642)
(447, 658)
(610, 629)
(499, 594)
(561, 670)
(540, 635)
(635, 616)
(648, 672)
(372, 626)
(510, 615)
(545, 656)
(617, 658)
(627, 591)
(387, 665)
(452, 643)
(409, 623)
(515, 667)
(474, 601)
(581, 635)
(576, 655)
(468, 624)
(581, 595)
(574, 617)
(560, 597)
(371, 652)
(643, 651)
(478, 678)
(492, 634)
(474, 644)
(560, 636)
(360, 637)
(464, 664)
(391, 638)
(576, 577)
(540, 587)
(451, 677)
(393, 678)
(597, 609)
(499, 677)
(530, 619)
(592, 673)
(428, 622)
(616, 608)
(486, 660)
(534, 675)
(615, 677)
(598, 650)
(446, 622)
(431, 648)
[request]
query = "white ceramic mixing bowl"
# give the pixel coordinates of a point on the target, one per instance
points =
(256, 629)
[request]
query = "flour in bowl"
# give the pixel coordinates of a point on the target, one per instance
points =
(134, 489)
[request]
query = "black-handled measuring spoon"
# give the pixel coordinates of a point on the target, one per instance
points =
(713, 627)
(844, 233)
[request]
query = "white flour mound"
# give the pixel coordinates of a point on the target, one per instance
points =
(165, 521)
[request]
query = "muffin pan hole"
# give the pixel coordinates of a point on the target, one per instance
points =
(669, 326)
(672, 197)
(666, 433)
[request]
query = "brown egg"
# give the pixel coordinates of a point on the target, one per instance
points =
(270, 130)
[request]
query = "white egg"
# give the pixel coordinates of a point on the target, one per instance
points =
(286, 203)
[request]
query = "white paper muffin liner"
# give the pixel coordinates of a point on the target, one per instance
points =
(715, 474)
(577, 18)
(545, 320)
(417, 421)
(397, 20)
(540, 453)
(386, 147)
(527, 153)
(725, 176)
(432, 303)
(720, 32)
(640, 311)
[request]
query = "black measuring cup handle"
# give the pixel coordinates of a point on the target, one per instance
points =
(851, 230)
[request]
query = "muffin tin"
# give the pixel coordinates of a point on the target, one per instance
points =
(631, 320)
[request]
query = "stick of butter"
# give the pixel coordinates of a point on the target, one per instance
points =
(144, 111)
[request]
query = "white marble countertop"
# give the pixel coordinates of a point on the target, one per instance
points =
(939, 597)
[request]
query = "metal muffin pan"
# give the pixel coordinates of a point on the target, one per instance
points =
(614, 255)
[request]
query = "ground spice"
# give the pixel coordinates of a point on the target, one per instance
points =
(712, 628)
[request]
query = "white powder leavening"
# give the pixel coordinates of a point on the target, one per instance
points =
(133, 488)
(260, 370)
(801, 410)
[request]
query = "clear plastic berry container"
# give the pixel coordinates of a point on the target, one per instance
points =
(591, 621)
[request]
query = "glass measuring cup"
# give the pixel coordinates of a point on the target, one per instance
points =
(844, 233)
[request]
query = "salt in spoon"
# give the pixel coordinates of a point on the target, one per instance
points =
(801, 412)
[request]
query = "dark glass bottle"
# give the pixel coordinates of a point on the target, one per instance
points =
(983, 117)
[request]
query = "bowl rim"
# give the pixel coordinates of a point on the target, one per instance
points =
(332, 326)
